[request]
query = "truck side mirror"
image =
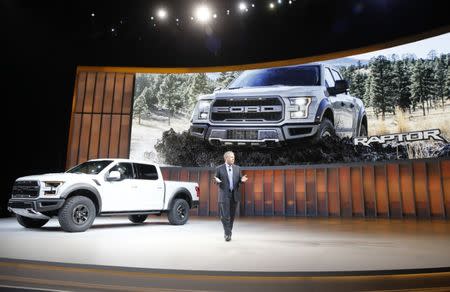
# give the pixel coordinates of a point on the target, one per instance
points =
(340, 86)
(113, 176)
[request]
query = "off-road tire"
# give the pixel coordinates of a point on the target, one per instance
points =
(137, 218)
(77, 214)
(179, 213)
(31, 222)
(326, 128)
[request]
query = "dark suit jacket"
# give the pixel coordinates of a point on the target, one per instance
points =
(224, 186)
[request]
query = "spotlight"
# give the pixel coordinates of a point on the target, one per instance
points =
(242, 6)
(279, 1)
(202, 13)
(152, 18)
(214, 15)
(253, 5)
(228, 12)
(177, 20)
(162, 13)
(112, 29)
(271, 6)
(290, 1)
(92, 14)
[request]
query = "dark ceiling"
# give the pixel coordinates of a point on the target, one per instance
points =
(44, 41)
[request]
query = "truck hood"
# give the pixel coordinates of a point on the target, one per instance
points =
(284, 91)
(62, 176)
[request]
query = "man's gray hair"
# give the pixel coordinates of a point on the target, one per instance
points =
(226, 154)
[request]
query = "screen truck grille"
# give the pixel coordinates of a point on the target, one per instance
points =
(259, 109)
(25, 189)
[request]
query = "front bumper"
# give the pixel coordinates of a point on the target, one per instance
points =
(253, 136)
(34, 208)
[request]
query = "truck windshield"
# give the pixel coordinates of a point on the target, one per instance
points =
(90, 167)
(289, 76)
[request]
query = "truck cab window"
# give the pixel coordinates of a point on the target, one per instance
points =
(145, 171)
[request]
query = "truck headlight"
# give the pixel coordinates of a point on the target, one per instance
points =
(50, 187)
(203, 109)
(299, 107)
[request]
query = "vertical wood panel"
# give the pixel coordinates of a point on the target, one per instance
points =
(278, 192)
(345, 191)
(94, 136)
(334, 208)
(109, 92)
(300, 192)
(268, 192)
(382, 197)
(258, 193)
(104, 136)
(369, 191)
(81, 88)
(420, 189)
(434, 190)
(213, 196)
(89, 94)
(75, 140)
(311, 195)
(249, 193)
(83, 148)
(321, 187)
(118, 93)
(114, 137)
(407, 190)
(357, 191)
(124, 140)
(128, 94)
(395, 202)
(290, 192)
(99, 92)
(165, 173)
(204, 183)
(445, 174)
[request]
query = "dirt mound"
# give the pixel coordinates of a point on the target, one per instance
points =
(182, 149)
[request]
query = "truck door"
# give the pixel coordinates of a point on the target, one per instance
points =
(347, 106)
(336, 104)
(120, 195)
(150, 187)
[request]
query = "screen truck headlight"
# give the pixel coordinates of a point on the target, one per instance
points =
(203, 109)
(299, 107)
(50, 187)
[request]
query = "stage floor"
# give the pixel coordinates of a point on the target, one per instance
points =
(258, 244)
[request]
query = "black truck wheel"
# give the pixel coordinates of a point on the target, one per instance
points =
(179, 214)
(31, 222)
(137, 218)
(325, 129)
(77, 214)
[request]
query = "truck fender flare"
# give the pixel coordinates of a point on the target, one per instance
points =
(180, 190)
(323, 106)
(84, 186)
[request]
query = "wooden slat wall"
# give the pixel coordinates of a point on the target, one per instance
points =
(101, 117)
(407, 189)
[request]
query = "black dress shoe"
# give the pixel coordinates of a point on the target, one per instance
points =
(227, 237)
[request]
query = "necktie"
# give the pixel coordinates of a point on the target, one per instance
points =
(230, 177)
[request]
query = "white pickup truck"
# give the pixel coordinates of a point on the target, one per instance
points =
(101, 187)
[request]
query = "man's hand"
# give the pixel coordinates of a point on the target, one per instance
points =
(217, 180)
(244, 178)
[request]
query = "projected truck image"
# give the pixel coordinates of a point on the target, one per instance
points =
(276, 106)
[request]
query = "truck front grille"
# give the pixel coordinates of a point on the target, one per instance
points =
(25, 189)
(254, 109)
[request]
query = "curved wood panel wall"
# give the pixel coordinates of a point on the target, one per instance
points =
(403, 189)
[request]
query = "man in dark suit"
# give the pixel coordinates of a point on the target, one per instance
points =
(228, 177)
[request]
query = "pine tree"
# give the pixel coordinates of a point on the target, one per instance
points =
(139, 106)
(358, 85)
(170, 96)
(367, 97)
(422, 84)
(382, 97)
(440, 72)
(447, 83)
(401, 85)
(198, 84)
